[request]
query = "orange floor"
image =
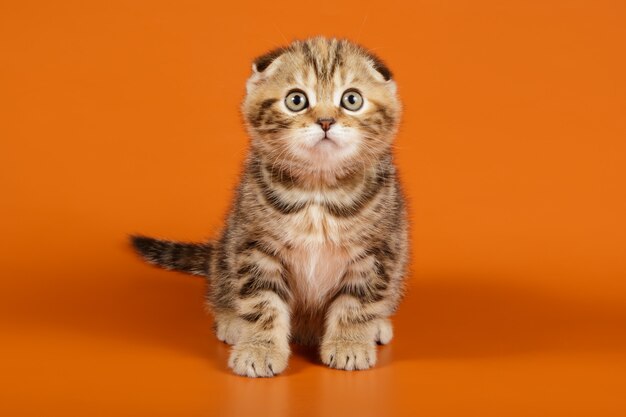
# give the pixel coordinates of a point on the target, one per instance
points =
(122, 116)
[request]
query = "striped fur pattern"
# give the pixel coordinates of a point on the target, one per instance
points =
(315, 247)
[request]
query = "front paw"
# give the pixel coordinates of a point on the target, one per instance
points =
(348, 355)
(258, 359)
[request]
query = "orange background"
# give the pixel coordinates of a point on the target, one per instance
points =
(123, 116)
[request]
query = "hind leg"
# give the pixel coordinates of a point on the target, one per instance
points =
(384, 331)
(228, 326)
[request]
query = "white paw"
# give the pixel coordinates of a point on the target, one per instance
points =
(228, 329)
(258, 360)
(348, 355)
(384, 331)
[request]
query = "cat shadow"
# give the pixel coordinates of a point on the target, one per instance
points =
(143, 306)
(441, 318)
(452, 318)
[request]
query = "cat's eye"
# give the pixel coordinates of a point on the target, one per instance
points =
(352, 100)
(296, 101)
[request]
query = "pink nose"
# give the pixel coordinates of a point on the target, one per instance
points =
(326, 123)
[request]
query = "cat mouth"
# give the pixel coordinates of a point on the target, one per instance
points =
(326, 140)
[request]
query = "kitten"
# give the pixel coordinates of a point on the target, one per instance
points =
(314, 249)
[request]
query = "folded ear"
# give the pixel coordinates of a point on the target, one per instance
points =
(262, 68)
(261, 63)
(380, 67)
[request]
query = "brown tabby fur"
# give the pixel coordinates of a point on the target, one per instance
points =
(315, 247)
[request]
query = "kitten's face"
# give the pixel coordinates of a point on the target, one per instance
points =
(321, 105)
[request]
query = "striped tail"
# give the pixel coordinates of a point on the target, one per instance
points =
(192, 258)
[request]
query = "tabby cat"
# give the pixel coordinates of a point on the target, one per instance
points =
(315, 247)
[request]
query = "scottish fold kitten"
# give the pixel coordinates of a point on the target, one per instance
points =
(314, 249)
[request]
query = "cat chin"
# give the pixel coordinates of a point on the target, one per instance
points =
(329, 170)
(327, 155)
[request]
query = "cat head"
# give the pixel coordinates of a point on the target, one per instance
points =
(321, 105)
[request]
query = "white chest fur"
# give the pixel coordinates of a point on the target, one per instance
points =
(316, 271)
(317, 259)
